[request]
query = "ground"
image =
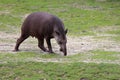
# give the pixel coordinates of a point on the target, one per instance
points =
(75, 45)
(93, 41)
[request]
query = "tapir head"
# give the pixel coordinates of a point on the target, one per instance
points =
(61, 39)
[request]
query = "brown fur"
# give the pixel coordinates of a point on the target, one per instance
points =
(43, 26)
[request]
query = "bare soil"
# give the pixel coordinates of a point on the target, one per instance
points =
(75, 45)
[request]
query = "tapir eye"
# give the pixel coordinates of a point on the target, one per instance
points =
(57, 33)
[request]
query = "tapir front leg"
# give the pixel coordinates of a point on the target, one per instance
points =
(49, 45)
(41, 44)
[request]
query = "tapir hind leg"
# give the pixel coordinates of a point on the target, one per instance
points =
(20, 40)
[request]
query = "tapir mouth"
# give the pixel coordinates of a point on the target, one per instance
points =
(65, 53)
(61, 50)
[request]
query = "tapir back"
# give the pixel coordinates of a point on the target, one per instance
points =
(41, 24)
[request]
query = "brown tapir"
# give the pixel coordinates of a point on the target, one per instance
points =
(44, 26)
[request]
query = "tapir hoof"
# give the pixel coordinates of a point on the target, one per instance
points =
(61, 50)
(65, 54)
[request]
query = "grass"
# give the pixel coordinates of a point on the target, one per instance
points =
(91, 56)
(106, 55)
(59, 71)
(29, 56)
(96, 56)
(38, 66)
(81, 17)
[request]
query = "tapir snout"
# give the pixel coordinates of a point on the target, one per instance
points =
(61, 40)
(64, 50)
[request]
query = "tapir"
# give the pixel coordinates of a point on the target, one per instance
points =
(43, 26)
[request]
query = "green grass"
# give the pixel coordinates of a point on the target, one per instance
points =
(81, 17)
(96, 56)
(38, 66)
(106, 55)
(26, 56)
(58, 71)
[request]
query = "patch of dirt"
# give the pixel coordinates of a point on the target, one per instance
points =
(86, 7)
(75, 45)
(101, 0)
(4, 12)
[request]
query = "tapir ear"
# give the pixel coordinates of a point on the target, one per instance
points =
(66, 31)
